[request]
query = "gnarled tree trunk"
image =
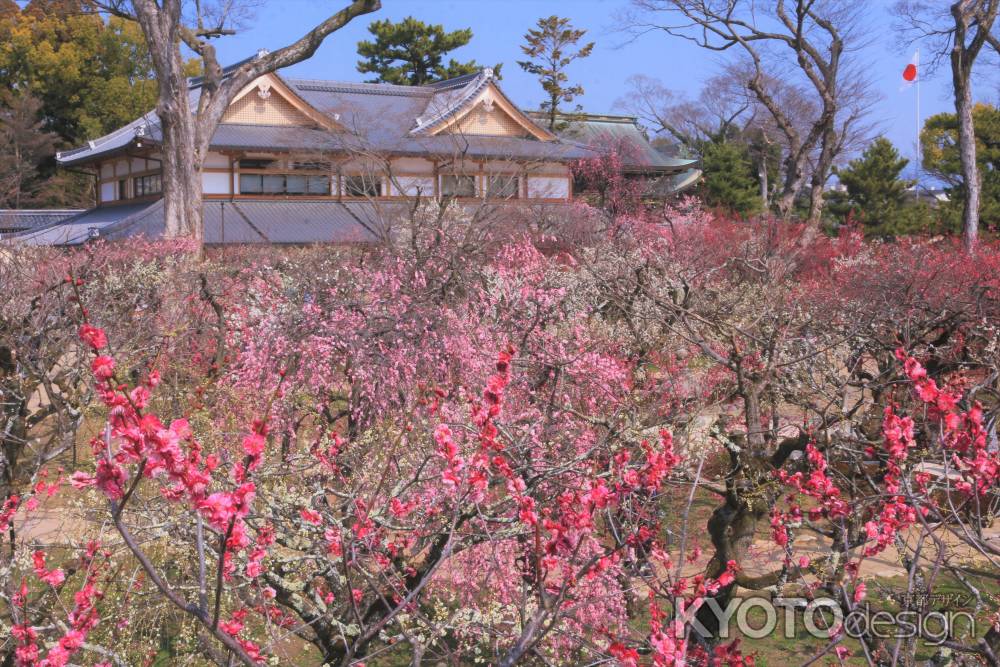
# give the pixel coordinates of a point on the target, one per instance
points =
(182, 196)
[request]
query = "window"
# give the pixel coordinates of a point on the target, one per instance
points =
(144, 186)
(361, 185)
(453, 185)
(284, 184)
(122, 188)
(503, 186)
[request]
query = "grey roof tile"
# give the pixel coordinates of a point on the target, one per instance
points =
(296, 222)
(378, 117)
(82, 227)
(604, 130)
(229, 222)
(230, 136)
(19, 220)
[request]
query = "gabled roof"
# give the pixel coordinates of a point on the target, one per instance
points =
(262, 138)
(376, 117)
(265, 86)
(451, 103)
(449, 100)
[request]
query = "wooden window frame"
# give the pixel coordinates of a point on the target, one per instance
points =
(136, 180)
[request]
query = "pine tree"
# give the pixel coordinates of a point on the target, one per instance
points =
(730, 181)
(411, 52)
(551, 48)
(874, 193)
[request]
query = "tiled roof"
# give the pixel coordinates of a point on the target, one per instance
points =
(89, 224)
(147, 125)
(378, 117)
(400, 119)
(673, 183)
(606, 130)
(260, 137)
(360, 88)
(449, 100)
(227, 222)
(297, 222)
(17, 220)
(456, 82)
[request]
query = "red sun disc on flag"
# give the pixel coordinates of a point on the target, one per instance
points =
(910, 73)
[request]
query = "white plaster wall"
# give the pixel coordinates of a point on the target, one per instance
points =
(361, 166)
(216, 161)
(458, 167)
(549, 168)
(214, 183)
(412, 164)
(501, 166)
(108, 192)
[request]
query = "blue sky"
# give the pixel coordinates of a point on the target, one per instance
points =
(498, 27)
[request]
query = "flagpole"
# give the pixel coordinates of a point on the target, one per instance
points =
(919, 76)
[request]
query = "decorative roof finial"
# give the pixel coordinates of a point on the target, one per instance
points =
(488, 72)
(261, 53)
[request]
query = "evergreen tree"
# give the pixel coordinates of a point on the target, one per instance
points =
(730, 180)
(23, 146)
(551, 47)
(874, 193)
(940, 149)
(411, 53)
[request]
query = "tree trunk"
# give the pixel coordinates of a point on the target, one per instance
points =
(794, 178)
(966, 15)
(732, 528)
(815, 203)
(967, 151)
(762, 176)
(824, 164)
(187, 132)
(182, 195)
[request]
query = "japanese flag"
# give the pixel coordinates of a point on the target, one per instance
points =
(910, 72)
